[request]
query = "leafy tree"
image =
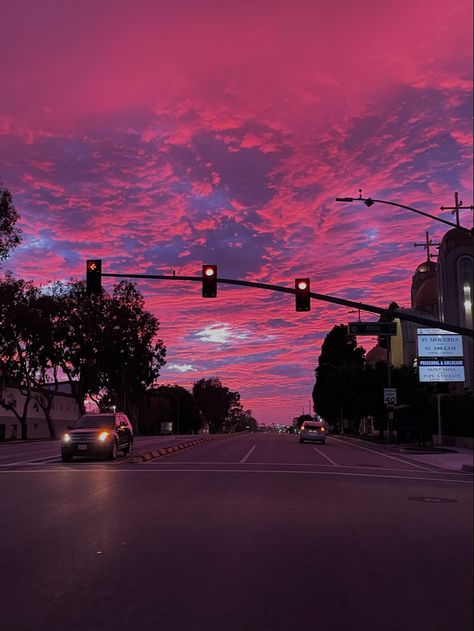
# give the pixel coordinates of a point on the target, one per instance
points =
(17, 339)
(10, 235)
(131, 356)
(339, 363)
(168, 403)
(240, 420)
(109, 345)
(214, 401)
(302, 418)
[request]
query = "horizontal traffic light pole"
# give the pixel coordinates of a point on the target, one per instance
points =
(370, 201)
(393, 313)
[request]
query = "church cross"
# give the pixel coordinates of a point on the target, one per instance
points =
(427, 245)
(457, 207)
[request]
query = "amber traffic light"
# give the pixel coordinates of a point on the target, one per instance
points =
(209, 281)
(94, 276)
(302, 297)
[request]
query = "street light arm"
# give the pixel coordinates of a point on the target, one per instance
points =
(368, 201)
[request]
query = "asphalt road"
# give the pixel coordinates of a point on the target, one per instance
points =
(246, 533)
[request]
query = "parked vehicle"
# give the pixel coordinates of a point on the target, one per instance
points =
(98, 435)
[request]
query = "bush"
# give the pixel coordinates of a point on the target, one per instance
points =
(457, 412)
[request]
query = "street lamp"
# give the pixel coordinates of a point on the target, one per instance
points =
(369, 201)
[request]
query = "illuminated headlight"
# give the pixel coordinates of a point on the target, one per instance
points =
(103, 436)
(67, 438)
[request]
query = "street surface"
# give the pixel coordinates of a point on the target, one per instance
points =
(249, 532)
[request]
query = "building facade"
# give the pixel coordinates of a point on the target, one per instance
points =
(443, 291)
(64, 412)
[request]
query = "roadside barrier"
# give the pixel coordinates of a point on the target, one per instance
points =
(165, 451)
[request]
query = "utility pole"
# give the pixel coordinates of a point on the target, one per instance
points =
(389, 385)
(177, 412)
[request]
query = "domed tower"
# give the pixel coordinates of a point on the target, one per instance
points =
(456, 287)
(424, 288)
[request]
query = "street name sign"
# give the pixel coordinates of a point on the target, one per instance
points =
(372, 328)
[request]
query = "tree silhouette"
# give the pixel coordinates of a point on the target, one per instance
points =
(10, 235)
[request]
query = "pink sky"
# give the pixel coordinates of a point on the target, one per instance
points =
(162, 135)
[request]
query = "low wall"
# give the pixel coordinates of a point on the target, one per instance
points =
(454, 441)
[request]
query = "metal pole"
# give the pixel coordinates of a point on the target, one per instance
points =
(389, 385)
(440, 438)
(177, 412)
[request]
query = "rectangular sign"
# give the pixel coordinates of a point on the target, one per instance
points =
(444, 345)
(390, 396)
(441, 370)
(372, 328)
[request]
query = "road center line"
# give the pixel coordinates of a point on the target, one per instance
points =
(244, 459)
(324, 456)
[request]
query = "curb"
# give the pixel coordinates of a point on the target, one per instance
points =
(165, 451)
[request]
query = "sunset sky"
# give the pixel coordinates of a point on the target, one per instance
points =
(160, 135)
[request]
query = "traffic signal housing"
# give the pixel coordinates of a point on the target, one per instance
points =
(94, 276)
(302, 297)
(209, 281)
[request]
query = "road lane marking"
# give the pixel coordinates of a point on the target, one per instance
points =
(324, 456)
(298, 464)
(32, 462)
(244, 459)
(241, 470)
(373, 451)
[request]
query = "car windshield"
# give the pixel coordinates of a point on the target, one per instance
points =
(94, 421)
(312, 427)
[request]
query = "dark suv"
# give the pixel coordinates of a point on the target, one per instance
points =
(98, 435)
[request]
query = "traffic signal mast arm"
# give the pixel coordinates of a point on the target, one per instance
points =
(392, 313)
(370, 201)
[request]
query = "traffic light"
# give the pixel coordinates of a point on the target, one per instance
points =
(209, 281)
(94, 276)
(302, 297)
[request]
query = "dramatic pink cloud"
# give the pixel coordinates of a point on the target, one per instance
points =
(158, 136)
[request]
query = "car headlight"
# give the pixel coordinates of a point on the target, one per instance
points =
(67, 438)
(103, 436)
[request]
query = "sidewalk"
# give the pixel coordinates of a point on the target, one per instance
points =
(448, 458)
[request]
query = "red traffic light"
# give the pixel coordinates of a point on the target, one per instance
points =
(302, 294)
(209, 281)
(94, 276)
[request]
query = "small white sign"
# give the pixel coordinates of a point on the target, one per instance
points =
(433, 332)
(390, 396)
(448, 345)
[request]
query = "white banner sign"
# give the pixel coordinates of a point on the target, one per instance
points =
(441, 370)
(448, 345)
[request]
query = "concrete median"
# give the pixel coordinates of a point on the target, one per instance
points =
(165, 451)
